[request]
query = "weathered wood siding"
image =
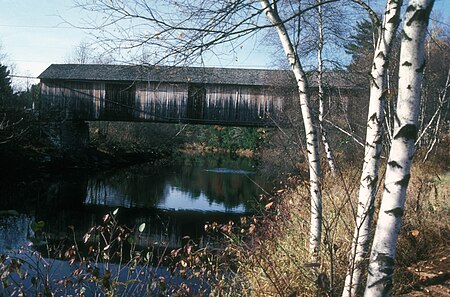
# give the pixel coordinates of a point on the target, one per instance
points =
(162, 102)
(72, 100)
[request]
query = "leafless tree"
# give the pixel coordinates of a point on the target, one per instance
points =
(412, 63)
(86, 53)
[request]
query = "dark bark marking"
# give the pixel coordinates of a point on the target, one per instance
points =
(396, 212)
(394, 19)
(378, 141)
(397, 119)
(386, 264)
(407, 38)
(404, 181)
(395, 164)
(374, 82)
(421, 68)
(410, 8)
(406, 63)
(408, 132)
(369, 144)
(409, 87)
(421, 15)
(373, 182)
(381, 55)
(374, 117)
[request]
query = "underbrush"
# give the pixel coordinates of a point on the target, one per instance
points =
(272, 256)
(266, 254)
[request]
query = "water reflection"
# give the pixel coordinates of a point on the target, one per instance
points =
(174, 201)
(186, 186)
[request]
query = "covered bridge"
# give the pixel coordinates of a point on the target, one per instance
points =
(239, 97)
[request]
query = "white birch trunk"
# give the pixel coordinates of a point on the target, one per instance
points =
(310, 131)
(323, 131)
(381, 267)
(372, 151)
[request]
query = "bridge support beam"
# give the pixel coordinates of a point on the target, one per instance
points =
(68, 135)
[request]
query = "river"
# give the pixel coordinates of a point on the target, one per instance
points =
(174, 201)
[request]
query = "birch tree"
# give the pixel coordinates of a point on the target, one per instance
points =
(323, 131)
(312, 148)
(412, 63)
(373, 145)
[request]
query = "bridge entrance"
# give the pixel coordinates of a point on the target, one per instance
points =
(119, 101)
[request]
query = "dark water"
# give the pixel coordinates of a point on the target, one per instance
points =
(174, 201)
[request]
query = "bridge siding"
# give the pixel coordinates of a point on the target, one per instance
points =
(163, 102)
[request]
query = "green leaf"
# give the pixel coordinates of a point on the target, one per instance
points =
(141, 227)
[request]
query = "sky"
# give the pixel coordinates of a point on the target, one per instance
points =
(34, 34)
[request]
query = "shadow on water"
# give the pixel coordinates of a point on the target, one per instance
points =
(173, 201)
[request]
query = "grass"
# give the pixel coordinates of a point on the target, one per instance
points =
(273, 260)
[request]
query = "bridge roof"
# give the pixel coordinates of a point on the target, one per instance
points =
(200, 75)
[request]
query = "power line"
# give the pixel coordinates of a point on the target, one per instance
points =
(37, 27)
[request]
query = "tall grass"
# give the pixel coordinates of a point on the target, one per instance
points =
(273, 258)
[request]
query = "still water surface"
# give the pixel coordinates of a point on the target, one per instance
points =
(174, 200)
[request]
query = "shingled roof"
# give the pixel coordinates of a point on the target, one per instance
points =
(200, 75)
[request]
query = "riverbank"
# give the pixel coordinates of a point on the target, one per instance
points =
(273, 256)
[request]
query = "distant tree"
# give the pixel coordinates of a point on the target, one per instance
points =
(7, 120)
(6, 91)
(86, 53)
(360, 46)
(30, 97)
(435, 88)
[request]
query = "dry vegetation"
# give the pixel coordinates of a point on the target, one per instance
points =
(273, 259)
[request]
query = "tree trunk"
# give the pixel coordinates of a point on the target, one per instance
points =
(412, 62)
(373, 145)
(323, 131)
(310, 130)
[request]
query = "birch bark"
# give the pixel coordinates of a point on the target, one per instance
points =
(372, 148)
(271, 12)
(412, 63)
(323, 131)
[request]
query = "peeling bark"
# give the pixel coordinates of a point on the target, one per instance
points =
(381, 267)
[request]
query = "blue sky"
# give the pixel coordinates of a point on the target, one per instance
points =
(34, 35)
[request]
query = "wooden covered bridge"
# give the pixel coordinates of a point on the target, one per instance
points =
(72, 94)
(238, 97)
